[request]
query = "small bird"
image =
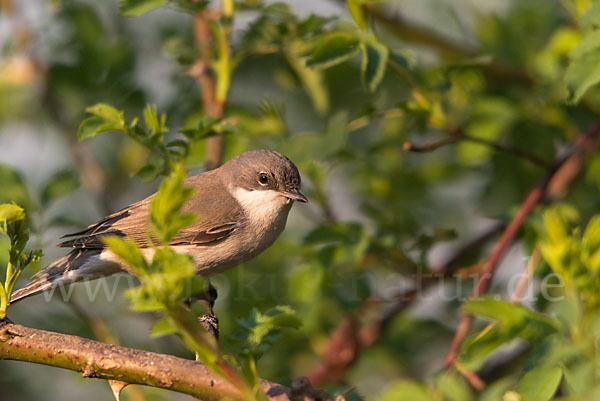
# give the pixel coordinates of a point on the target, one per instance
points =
(242, 206)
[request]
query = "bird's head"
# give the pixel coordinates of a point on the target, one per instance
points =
(268, 173)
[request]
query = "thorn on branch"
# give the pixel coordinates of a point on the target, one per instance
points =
(116, 387)
(126, 364)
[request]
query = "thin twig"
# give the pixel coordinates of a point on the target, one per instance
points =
(508, 149)
(455, 135)
(471, 377)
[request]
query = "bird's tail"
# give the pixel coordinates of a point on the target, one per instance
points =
(61, 272)
(37, 286)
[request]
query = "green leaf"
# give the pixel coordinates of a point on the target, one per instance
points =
(90, 127)
(357, 13)
(590, 244)
(13, 223)
(374, 60)
(404, 58)
(107, 113)
(513, 321)
(283, 316)
(153, 122)
(560, 247)
(10, 213)
(312, 79)
(135, 8)
(333, 49)
(147, 172)
(58, 185)
(204, 128)
(164, 210)
(582, 74)
(540, 384)
(479, 346)
(559, 221)
(318, 146)
(406, 390)
(580, 376)
(454, 387)
(143, 299)
(584, 70)
(129, 252)
(497, 389)
(105, 118)
(260, 330)
(162, 328)
(591, 19)
(511, 315)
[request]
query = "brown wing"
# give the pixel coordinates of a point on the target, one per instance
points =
(219, 216)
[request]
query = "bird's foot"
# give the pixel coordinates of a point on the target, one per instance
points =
(208, 320)
(211, 323)
(206, 297)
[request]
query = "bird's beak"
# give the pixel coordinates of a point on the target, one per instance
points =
(294, 194)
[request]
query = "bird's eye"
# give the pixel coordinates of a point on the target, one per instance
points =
(263, 179)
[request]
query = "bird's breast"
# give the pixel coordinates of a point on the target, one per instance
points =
(264, 217)
(265, 213)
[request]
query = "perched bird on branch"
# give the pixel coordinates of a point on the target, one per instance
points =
(243, 207)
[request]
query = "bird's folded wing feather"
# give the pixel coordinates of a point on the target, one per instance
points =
(219, 216)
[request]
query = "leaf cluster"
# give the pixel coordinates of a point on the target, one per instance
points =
(13, 224)
(563, 344)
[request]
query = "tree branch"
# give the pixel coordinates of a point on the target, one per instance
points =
(455, 135)
(204, 73)
(507, 149)
(553, 184)
(98, 360)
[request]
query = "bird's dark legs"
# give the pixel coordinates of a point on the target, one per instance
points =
(209, 320)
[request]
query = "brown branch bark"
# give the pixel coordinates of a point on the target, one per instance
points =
(104, 361)
(555, 183)
(204, 73)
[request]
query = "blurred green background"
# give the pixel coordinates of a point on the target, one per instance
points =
(379, 216)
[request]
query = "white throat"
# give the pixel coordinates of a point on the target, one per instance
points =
(266, 210)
